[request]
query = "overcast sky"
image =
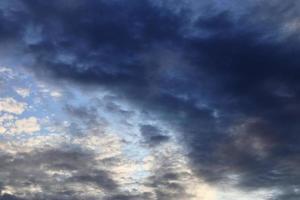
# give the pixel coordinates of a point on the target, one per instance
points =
(149, 100)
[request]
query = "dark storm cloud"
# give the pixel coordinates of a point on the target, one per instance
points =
(145, 196)
(9, 197)
(114, 108)
(205, 77)
(153, 135)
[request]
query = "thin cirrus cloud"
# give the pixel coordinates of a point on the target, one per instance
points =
(150, 99)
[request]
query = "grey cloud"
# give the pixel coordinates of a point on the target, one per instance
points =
(9, 197)
(85, 120)
(145, 196)
(153, 135)
(34, 170)
(98, 177)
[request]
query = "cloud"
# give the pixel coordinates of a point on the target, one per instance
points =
(2, 129)
(64, 163)
(172, 178)
(152, 134)
(55, 94)
(23, 92)
(31, 144)
(26, 125)
(205, 76)
(33, 167)
(9, 197)
(10, 125)
(6, 73)
(10, 105)
(90, 166)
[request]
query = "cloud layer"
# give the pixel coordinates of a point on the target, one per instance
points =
(218, 80)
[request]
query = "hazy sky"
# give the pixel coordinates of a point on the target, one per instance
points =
(149, 100)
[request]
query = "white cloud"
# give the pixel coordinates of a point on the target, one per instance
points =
(9, 125)
(5, 70)
(37, 142)
(229, 193)
(55, 94)
(10, 105)
(48, 90)
(26, 125)
(2, 130)
(23, 92)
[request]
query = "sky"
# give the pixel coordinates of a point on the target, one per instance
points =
(149, 100)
